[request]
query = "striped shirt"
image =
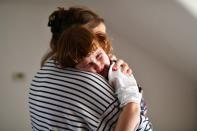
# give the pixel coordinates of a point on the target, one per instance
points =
(70, 99)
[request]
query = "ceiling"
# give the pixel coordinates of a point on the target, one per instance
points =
(167, 30)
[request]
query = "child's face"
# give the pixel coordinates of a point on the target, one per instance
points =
(97, 62)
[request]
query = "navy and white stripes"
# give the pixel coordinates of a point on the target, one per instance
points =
(70, 99)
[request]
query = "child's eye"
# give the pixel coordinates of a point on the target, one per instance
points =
(89, 64)
(99, 56)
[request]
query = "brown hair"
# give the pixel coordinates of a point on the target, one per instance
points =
(78, 42)
(62, 19)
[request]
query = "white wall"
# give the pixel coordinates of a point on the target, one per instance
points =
(171, 97)
(24, 38)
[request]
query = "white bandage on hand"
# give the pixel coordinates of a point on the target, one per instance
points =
(125, 87)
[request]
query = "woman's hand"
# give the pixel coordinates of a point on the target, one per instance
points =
(120, 63)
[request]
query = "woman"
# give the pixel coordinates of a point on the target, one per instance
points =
(69, 99)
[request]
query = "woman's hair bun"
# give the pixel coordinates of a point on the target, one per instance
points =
(62, 19)
(56, 19)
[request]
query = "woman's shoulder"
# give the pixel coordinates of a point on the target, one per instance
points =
(79, 79)
(51, 66)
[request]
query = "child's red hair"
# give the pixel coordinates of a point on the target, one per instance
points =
(78, 42)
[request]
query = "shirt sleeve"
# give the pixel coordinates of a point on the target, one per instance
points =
(125, 87)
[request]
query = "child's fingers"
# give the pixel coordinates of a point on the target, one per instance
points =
(124, 68)
(117, 65)
(112, 57)
(123, 65)
(129, 71)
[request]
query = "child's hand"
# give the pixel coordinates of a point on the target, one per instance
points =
(120, 63)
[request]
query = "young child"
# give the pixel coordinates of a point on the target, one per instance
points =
(88, 51)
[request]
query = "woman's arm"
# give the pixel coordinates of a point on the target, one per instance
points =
(129, 117)
(129, 96)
